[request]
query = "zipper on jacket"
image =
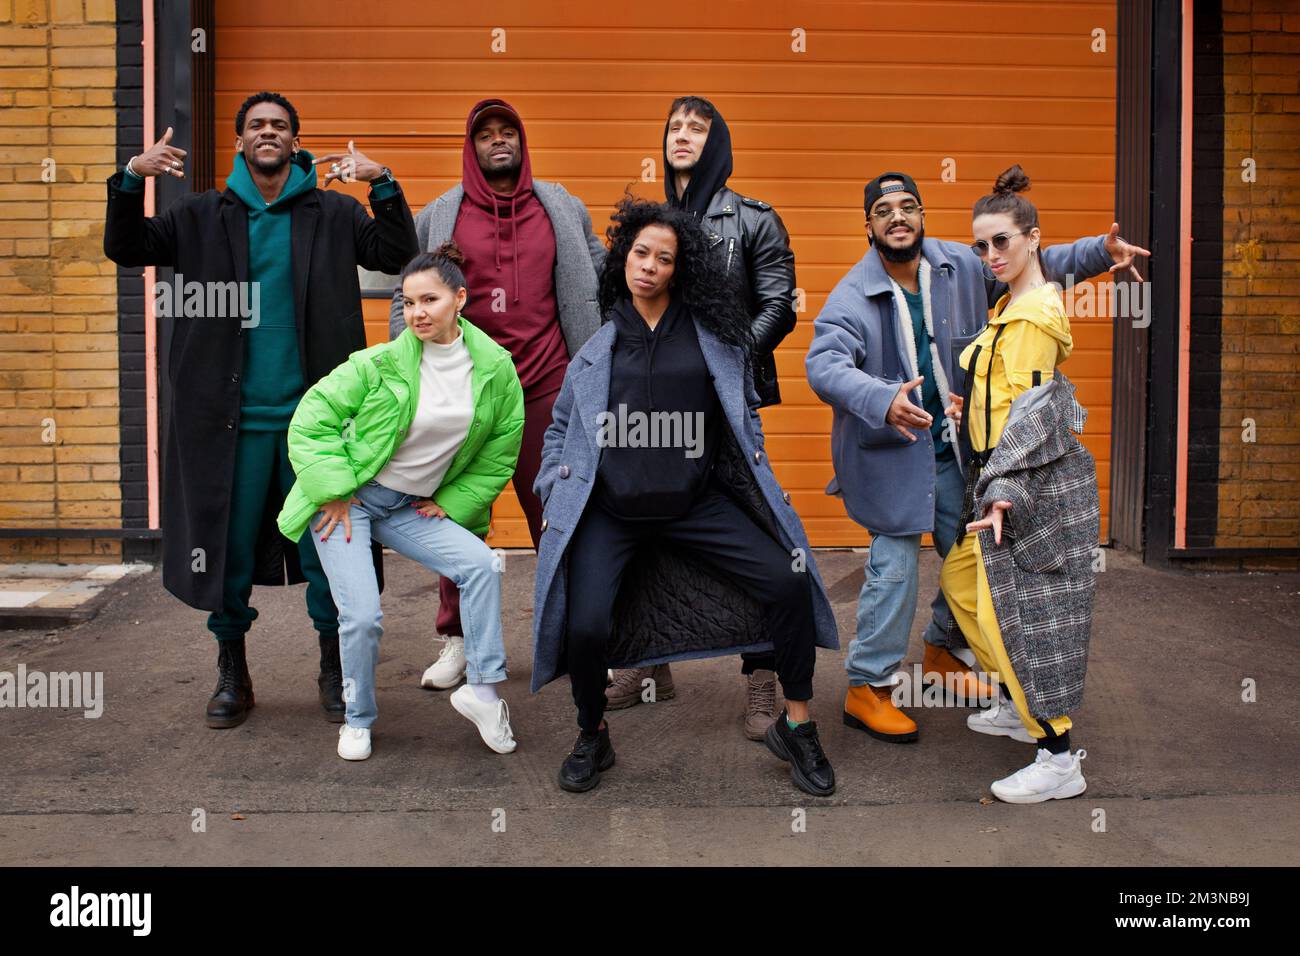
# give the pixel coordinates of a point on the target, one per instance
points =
(651, 340)
(731, 247)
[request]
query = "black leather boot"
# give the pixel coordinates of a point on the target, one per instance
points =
(233, 698)
(330, 680)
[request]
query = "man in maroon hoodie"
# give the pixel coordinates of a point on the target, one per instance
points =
(531, 267)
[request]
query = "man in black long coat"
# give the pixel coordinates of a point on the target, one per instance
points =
(265, 302)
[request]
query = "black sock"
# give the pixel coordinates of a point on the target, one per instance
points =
(1052, 743)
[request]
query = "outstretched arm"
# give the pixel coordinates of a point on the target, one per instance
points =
(131, 239)
(385, 243)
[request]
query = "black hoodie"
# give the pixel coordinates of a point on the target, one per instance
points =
(711, 171)
(653, 373)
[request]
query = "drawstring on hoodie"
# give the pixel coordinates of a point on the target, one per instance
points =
(514, 239)
(629, 319)
(496, 233)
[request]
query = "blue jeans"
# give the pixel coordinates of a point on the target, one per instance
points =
(887, 602)
(441, 545)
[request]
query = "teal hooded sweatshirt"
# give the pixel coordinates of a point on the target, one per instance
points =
(272, 383)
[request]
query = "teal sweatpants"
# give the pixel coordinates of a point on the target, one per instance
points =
(261, 459)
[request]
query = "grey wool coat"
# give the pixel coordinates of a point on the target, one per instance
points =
(579, 256)
(1041, 576)
(570, 457)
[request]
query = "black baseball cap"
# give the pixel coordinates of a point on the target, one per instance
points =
(875, 191)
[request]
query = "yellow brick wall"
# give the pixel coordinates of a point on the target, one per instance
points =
(58, 294)
(1259, 480)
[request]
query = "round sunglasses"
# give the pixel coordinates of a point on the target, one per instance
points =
(1000, 242)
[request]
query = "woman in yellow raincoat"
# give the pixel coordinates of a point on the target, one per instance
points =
(1027, 337)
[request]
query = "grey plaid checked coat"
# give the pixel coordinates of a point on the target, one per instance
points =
(1041, 576)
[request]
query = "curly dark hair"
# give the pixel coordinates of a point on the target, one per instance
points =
(266, 97)
(708, 293)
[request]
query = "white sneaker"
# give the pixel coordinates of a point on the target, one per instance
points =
(1044, 779)
(492, 720)
(1000, 720)
(449, 669)
(354, 742)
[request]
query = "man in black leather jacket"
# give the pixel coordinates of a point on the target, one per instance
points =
(753, 246)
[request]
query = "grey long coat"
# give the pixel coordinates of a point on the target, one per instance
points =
(1041, 576)
(570, 457)
(579, 256)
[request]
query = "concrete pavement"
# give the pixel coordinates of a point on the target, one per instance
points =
(1182, 770)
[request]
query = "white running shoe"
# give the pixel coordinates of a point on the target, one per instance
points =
(492, 720)
(1044, 779)
(1000, 720)
(449, 669)
(354, 742)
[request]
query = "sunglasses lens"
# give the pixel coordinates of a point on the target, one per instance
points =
(980, 248)
(1001, 242)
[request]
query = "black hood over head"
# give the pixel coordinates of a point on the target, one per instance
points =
(710, 173)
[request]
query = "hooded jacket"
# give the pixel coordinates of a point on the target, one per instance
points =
(710, 172)
(572, 282)
(663, 414)
(272, 378)
(510, 250)
(752, 244)
(1032, 338)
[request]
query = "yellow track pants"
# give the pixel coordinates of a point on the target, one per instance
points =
(966, 587)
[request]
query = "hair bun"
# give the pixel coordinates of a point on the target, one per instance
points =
(1013, 180)
(451, 252)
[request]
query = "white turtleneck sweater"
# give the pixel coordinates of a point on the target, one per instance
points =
(442, 419)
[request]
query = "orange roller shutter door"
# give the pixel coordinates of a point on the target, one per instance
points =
(820, 97)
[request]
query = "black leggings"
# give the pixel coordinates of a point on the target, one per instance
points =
(720, 534)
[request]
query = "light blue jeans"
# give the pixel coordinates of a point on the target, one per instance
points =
(441, 545)
(887, 602)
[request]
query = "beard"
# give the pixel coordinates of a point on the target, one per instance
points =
(906, 253)
(513, 167)
(267, 164)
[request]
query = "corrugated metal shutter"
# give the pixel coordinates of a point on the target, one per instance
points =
(879, 86)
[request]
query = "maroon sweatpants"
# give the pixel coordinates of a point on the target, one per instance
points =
(537, 416)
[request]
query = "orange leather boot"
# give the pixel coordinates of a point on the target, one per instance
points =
(869, 708)
(939, 666)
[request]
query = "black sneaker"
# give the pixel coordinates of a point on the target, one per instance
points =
(591, 754)
(801, 748)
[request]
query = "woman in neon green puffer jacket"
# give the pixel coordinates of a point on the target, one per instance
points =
(408, 444)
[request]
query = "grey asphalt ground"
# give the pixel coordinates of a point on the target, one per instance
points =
(1180, 769)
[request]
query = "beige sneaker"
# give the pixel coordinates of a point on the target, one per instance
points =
(760, 704)
(629, 686)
